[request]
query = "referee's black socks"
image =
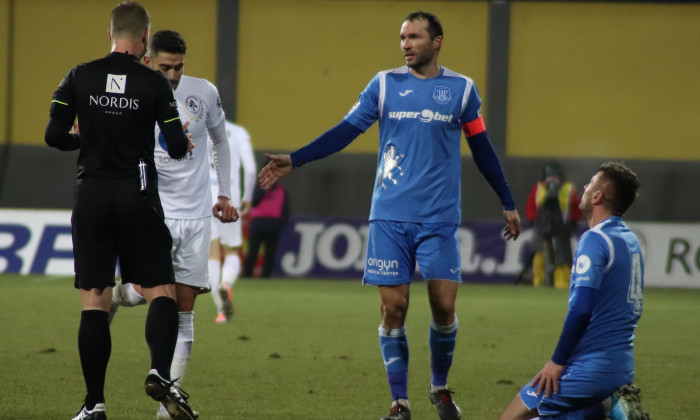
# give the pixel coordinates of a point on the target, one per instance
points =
(95, 347)
(161, 333)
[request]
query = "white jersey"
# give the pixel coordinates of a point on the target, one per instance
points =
(183, 183)
(241, 152)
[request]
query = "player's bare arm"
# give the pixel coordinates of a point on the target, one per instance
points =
(224, 210)
(512, 228)
(278, 167)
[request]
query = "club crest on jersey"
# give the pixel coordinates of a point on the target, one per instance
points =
(442, 94)
(193, 105)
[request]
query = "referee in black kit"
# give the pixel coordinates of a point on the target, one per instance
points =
(117, 211)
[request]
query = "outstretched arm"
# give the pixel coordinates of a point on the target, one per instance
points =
(327, 143)
(333, 140)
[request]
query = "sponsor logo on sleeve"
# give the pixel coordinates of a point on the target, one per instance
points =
(583, 264)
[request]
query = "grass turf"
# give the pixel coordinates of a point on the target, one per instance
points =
(308, 349)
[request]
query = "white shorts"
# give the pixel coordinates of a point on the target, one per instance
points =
(190, 250)
(228, 234)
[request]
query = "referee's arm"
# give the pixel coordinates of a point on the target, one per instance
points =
(62, 116)
(169, 121)
(175, 137)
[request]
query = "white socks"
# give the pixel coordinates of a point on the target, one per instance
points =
(214, 282)
(403, 402)
(124, 294)
(183, 349)
(231, 269)
(444, 329)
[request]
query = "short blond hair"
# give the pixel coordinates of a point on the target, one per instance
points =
(129, 20)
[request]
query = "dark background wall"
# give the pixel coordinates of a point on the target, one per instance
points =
(341, 185)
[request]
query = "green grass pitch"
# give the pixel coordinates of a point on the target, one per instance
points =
(308, 349)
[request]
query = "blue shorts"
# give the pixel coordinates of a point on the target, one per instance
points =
(394, 248)
(577, 389)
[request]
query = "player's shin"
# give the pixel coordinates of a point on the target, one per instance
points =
(214, 278)
(394, 348)
(442, 341)
(183, 348)
(231, 269)
(94, 346)
(161, 333)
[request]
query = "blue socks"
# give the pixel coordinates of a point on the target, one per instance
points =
(394, 347)
(442, 346)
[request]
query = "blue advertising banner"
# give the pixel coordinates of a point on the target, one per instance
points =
(328, 247)
(39, 242)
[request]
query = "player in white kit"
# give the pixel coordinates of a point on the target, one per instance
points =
(184, 190)
(226, 238)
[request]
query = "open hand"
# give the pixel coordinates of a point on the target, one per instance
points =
(278, 167)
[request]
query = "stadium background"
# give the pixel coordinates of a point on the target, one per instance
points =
(575, 81)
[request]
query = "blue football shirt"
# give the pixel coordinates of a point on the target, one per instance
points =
(419, 163)
(609, 259)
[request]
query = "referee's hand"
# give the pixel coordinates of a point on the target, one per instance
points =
(224, 210)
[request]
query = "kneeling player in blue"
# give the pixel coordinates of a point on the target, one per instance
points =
(416, 205)
(591, 371)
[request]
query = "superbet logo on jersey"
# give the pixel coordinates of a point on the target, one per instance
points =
(425, 116)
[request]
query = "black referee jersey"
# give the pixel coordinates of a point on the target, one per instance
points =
(118, 101)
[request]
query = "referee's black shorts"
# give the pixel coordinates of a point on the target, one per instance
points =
(111, 219)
